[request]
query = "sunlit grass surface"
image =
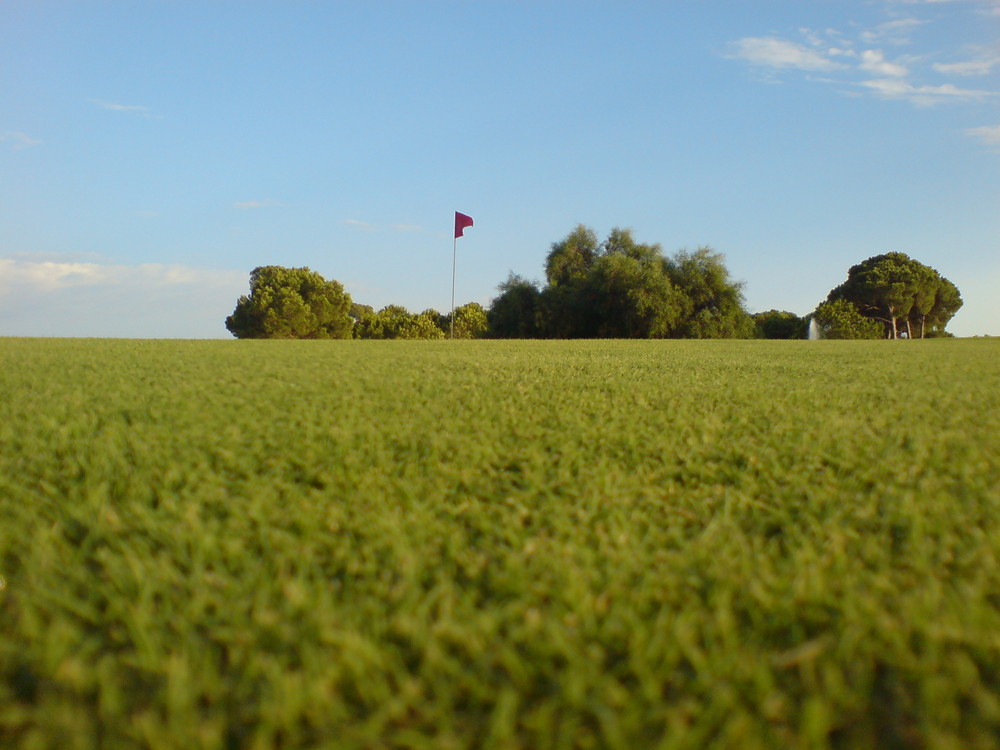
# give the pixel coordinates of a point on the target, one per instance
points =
(499, 544)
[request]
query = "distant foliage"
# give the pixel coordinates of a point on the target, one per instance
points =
(713, 302)
(291, 303)
(840, 319)
(615, 288)
(620, 288)
(513, 314)
(396, 322)
(902, 295)
(780, 324)
(470, 322)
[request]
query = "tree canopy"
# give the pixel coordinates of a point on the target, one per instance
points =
(396, 322)
(780, 324)
(514, 312)
(621, 288)
(291, 303)
(470, 322)
(713, 302)
(900, 293)
(615, 288)
(839, 319)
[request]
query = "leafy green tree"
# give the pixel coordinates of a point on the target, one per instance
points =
(901, 293)
(621, 242)
(613, 289)
(882, 288)
(439, 319)
(513, 314)
(362, 316)
(470, 322)
(780, 324)
(291, 303)
(568, 310)
(947, 302)
(839, 319)
(629, 296)
(714, 306)
(423, 326)
(925, 290)
(572, 258)
(396, 322)
(623, 289)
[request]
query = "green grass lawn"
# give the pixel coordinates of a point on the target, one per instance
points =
(670, 544)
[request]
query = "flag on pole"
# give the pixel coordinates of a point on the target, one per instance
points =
(461, 222)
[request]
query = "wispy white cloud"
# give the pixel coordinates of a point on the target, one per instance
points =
(407, 228)
(873, 61)
(855, 67)
(980, 67)
(53, 296)
(52, 275)
(771, 52)
(132, 109)
(248, 205)
(894, 88)
(45, 276)
(989, 134)
(18, 140)
(361, 226)
(896, 32)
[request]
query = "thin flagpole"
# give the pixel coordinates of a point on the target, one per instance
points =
(454, 255)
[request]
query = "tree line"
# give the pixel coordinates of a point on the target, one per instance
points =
(298, 303)
(615, 288)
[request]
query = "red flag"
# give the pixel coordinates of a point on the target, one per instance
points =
(461, 222)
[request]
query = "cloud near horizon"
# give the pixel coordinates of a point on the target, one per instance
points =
(150, 300)
(51, 275)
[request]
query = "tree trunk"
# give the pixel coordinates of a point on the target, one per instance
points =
(895, 330)
(909, 329)
(923, 321)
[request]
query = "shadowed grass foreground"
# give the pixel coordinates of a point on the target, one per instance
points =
(669, 544)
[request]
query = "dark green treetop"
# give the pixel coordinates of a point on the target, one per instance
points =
(572, 258)
(780, 324)
(714, 304)
(900, 293)
(513, 314)
(621, 288)
(291, 303)
(839, 319)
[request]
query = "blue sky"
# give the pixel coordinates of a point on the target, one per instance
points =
(153, 153)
